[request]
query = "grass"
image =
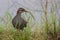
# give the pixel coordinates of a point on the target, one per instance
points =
(7, 32)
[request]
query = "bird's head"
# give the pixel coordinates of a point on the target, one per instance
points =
(21, 10)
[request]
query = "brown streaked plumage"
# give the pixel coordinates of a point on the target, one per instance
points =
(18, 22)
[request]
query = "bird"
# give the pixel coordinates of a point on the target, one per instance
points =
(18, 22)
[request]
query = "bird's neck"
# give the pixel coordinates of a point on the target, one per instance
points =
(19, 13)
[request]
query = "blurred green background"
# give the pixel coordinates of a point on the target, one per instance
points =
(45, 26)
